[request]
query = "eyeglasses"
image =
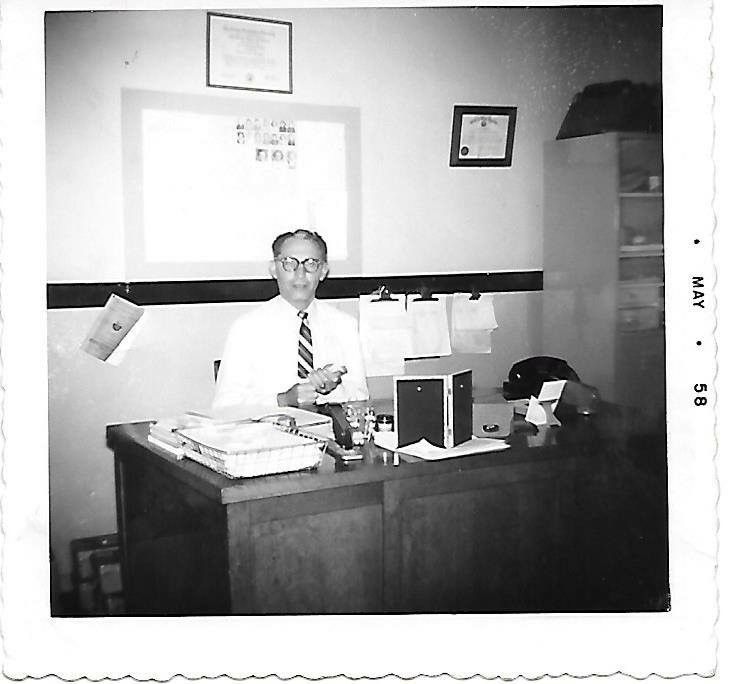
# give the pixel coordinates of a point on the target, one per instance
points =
(291, 264)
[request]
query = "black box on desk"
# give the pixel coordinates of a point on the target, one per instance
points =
(437, 408)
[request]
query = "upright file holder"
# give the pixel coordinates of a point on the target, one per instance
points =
(437, 408)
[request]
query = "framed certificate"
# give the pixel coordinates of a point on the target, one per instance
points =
(248, 53)
(482, 136)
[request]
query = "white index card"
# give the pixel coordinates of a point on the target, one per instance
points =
(551, 391)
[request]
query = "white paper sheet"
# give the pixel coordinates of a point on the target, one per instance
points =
(473, 321)
(427, 451)
(114, 322)
(551, 390)
(428, 325)
(550, 393)
(385, 335)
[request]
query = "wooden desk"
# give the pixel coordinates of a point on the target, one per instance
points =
(576, 524)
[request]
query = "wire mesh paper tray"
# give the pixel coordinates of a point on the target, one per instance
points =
(252, 449)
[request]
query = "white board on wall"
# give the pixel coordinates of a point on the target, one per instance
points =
(209, 182)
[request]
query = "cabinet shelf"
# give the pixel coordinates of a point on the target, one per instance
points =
(644, 195)
(629, 284)
(649, 336)
(629, 251)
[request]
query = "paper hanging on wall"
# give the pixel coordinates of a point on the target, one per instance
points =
(385, 335)
(130, 341)
(473, 321)
(427, 321)
(115, 321)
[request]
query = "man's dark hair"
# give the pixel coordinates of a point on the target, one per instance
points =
(304, 234)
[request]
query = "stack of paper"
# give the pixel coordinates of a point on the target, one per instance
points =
(309, 421)
(242, 437)
(164, 432)
(427, 451)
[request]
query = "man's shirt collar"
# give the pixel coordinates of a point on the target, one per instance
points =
(284, 305)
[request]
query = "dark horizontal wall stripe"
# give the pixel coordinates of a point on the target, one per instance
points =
(81, 295)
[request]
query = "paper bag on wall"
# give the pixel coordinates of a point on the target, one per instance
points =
(113, 324)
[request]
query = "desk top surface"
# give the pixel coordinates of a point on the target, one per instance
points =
(614, 433)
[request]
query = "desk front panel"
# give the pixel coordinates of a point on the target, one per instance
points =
(173, 542)
(578, 523)
(316, 552)
(486, 540)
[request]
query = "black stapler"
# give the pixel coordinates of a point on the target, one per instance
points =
(341, 429)
(342, 446)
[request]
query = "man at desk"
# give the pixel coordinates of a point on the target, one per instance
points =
(293, 350)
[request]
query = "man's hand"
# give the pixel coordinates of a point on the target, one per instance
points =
(326, 379)
(321, 381)
(302, 393)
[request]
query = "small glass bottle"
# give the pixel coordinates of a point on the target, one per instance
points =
(370, 422)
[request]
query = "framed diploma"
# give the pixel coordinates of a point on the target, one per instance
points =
(482, 136)
(248, 54)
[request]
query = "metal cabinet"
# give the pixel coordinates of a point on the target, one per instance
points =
(603, 263)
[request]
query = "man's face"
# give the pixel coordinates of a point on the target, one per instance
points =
(298, 287)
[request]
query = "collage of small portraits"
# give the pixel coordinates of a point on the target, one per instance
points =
(273, 140)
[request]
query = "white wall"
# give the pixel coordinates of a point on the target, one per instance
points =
(404, 69)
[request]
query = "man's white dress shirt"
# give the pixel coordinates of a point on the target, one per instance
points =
(260, 357)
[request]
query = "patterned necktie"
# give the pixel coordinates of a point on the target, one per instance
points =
(305, 360)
